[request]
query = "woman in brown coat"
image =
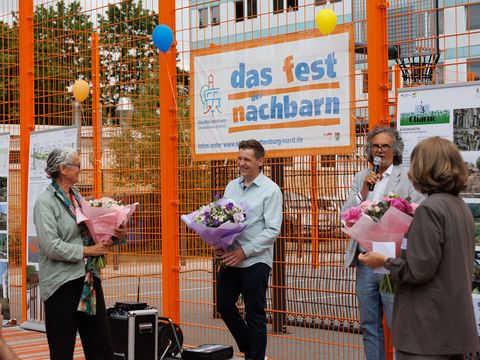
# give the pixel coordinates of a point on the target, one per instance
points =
(433, 314)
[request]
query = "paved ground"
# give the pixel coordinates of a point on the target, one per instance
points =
(32, 345)
(314, 300)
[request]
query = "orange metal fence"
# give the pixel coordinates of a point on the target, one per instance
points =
(136, 134)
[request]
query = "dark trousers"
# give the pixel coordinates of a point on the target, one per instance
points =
(62, 320)
(252, 282)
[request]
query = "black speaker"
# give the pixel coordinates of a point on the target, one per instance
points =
(134, 333)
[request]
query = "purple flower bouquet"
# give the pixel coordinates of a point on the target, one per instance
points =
(219, 223)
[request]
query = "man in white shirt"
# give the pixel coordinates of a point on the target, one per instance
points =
(248, 261)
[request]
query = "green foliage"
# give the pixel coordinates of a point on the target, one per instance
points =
(477, 163)
(9, 76)
(128, 57)
(62, 54)
(477, 234)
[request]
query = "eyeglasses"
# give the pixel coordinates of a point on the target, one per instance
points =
(384, 147)
(77, 165)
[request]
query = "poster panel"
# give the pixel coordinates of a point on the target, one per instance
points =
(4, 167)
(450, 111)
(41, 144)
(293, 94)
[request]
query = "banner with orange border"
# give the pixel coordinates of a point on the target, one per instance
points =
(294, 94)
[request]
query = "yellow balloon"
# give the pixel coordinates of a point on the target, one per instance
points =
(80, 90)
(326, 20)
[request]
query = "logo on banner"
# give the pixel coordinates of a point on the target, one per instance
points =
(210, 97)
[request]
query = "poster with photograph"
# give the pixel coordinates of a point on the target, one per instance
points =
(474, 206)
(41, 144)
(4, 167)
(451, 111)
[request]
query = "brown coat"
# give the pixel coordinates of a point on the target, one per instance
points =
(433, 311)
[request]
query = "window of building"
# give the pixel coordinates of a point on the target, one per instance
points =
(215, 14)
(252, 9)
(324, 2)
(278, 6)
(202, 17)
(473, 69)
(473, 16)
(239, 10)
(292, 5)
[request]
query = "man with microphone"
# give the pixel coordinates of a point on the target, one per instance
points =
(384, 150)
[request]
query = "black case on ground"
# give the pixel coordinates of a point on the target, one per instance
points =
(208, 352)
(134, 331)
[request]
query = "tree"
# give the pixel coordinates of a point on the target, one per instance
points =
(9, 74)
(62, 55)
(127, 58)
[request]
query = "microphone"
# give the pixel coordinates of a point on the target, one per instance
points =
(376, 165)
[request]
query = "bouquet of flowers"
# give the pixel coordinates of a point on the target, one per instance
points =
(218, 223)
(384, 221)
(102, 216)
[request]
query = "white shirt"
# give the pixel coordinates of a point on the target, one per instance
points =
(379, 191)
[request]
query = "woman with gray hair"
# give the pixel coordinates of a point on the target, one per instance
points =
(67, 271)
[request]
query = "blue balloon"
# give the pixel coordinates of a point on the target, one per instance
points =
(162, 37)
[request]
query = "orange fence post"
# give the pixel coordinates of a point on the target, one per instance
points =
(377, 63)
(168, 164)
(96, 121)
(378, 84)
(27, 123)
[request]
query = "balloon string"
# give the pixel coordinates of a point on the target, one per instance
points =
(171, 87)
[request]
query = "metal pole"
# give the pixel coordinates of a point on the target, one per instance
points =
(377, 63)
(279, 298)
(168, 163)
(27, 124)
(97, 120)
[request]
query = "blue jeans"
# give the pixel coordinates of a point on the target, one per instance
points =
(372, 305)
(250, 333)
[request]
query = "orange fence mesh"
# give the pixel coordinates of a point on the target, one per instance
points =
(312, 309)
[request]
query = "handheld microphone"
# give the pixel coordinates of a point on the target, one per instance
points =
(376, 165)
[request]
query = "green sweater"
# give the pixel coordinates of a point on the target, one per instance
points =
(60, 243)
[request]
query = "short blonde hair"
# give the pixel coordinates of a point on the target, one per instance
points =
(436, 166)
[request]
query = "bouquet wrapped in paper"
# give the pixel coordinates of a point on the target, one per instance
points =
(102, 216)
(385, 221)
(218, 223)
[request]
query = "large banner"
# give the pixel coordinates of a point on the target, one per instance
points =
(293, 94)
(4, 166)
(41, 144)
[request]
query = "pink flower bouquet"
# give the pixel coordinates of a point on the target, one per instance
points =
(385, 221)
(102, 216)
(219, 223)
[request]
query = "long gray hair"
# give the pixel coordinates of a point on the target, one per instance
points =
(57, 158)
(397, 146)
